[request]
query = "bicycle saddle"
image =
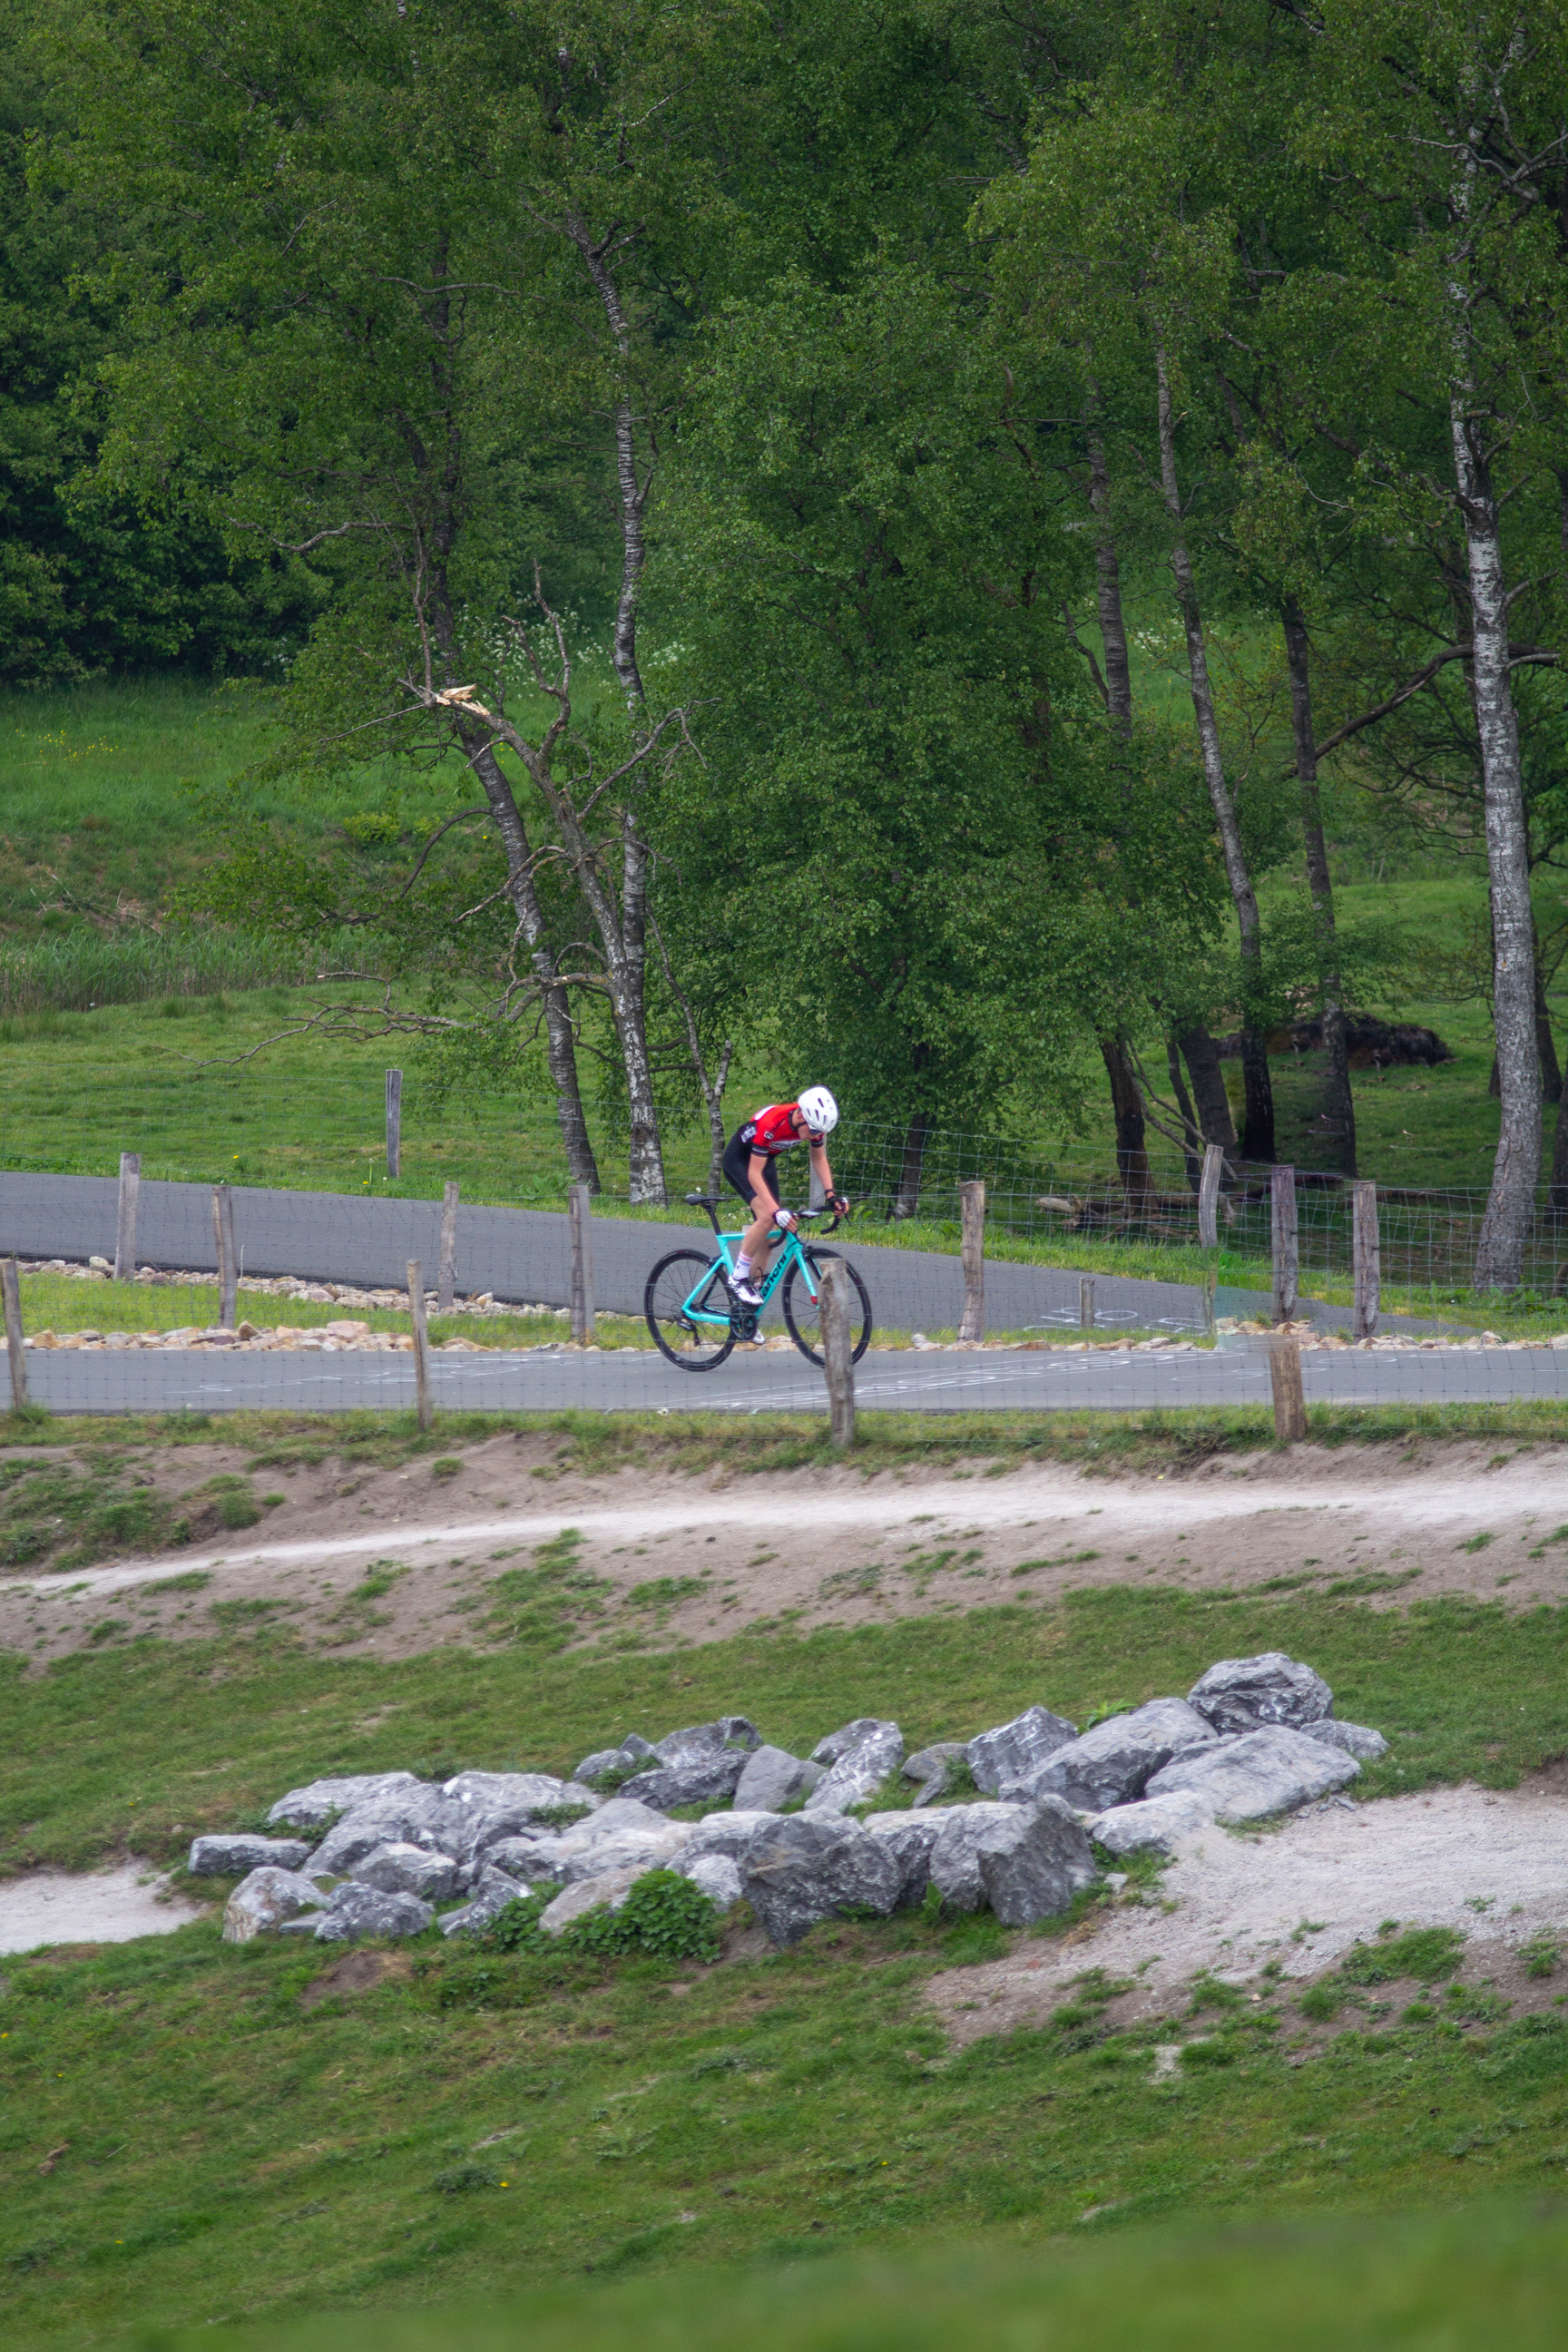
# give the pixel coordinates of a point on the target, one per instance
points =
(701, 1199)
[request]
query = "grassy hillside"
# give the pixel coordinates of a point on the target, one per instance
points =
(200, 2132)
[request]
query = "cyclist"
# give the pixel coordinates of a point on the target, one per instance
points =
(750, 1164)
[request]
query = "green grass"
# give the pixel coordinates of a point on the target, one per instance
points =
(223, 2152)
(138, 1745)
(1491, 2276)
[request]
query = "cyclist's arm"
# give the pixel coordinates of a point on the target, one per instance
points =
(819, 1167)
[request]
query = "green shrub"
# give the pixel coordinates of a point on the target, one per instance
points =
(665, 1916)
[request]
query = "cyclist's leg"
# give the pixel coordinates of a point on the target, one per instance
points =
(737, 1166)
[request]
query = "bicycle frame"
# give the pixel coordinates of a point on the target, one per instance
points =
(790, 1255)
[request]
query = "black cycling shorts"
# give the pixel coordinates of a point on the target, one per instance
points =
(738, 1167)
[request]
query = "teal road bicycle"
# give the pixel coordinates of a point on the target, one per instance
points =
(695, 1321)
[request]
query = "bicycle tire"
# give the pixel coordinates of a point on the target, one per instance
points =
(696, 1355)
(804, 1329)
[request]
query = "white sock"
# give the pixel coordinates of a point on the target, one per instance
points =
(742, 1267)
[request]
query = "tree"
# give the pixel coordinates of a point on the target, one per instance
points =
(913, 821)
(1445, 135)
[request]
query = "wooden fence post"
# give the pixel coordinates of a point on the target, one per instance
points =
(972, 1203)
(227, 1266)
(837, 1350)
(578, 1205)
(12, 1290)
(1208, 1196)
(1086, 1302)
(446, 1275)
(125, 1221)
(1289, 1397)
(395, 1122)
(1364, 1255)
(426, 1403)
(1284, 1242)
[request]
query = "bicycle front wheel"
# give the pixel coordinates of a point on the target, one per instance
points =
(688, 1310)
(803, 1315)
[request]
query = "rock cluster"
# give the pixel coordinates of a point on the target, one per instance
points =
(377, 1853)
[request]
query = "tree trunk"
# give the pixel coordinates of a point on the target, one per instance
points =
(1257, 1132)
(1560, 1162)
(1546, 1044)
(560, 1044)
(1191, 1141)
(1127, 1104)
(628, 953)
(1337, 1118)
(1500, 1255)
(916, 1135)
(1108, 589)
(1209, 1086)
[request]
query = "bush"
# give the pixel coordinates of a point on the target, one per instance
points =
(665, 1916)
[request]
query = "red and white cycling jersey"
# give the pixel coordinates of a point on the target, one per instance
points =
(769, 1132)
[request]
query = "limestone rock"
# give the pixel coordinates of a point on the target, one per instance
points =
(1257, 1774)
(1113, 1764)
(399, 1869)
(1241, 1693)
(717, 1875)
(602, 1760)
(490, 1894)
(266, 1900)
(1357, 1739)
(608, 1891)
(535, 1858)
(802, 1869)
(908, 1838)
(702, 1780)
(1032, 1865)
(621, 1816)
(311, 1807)
(729, 1834)
(417, 1813)
(635, 1850)
(858, 1771)
(231, 1857)
(1005, 1758)
(848, 1735)
(355, 1911)
(955, 1856)
(771, 1778)
(730, 1731)
(1154, 1825)
(933, 1768)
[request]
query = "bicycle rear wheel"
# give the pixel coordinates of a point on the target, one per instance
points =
(803, 1316)
(682, 1286)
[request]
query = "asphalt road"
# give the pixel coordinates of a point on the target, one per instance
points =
(522, 1255)
(543, 1379)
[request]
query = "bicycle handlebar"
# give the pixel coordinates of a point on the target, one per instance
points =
(706, 1201)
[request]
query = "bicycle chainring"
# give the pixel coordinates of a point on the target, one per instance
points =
(742, 1323)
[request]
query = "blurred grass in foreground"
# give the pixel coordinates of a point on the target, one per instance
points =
(1444, 2282)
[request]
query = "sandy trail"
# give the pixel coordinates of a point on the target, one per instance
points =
(697, 1556)
(99, 1906)
(1491, 1864)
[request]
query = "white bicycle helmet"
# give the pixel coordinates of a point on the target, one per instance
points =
(819, 1110)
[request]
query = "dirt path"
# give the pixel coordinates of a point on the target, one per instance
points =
(1491, 1865)
(99, 1906)
(695, 1558)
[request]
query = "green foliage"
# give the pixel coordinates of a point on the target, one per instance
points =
(1428, 1954)
(664, 1916)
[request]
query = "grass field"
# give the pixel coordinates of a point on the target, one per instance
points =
(229, 2144)
(1493, 2276)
